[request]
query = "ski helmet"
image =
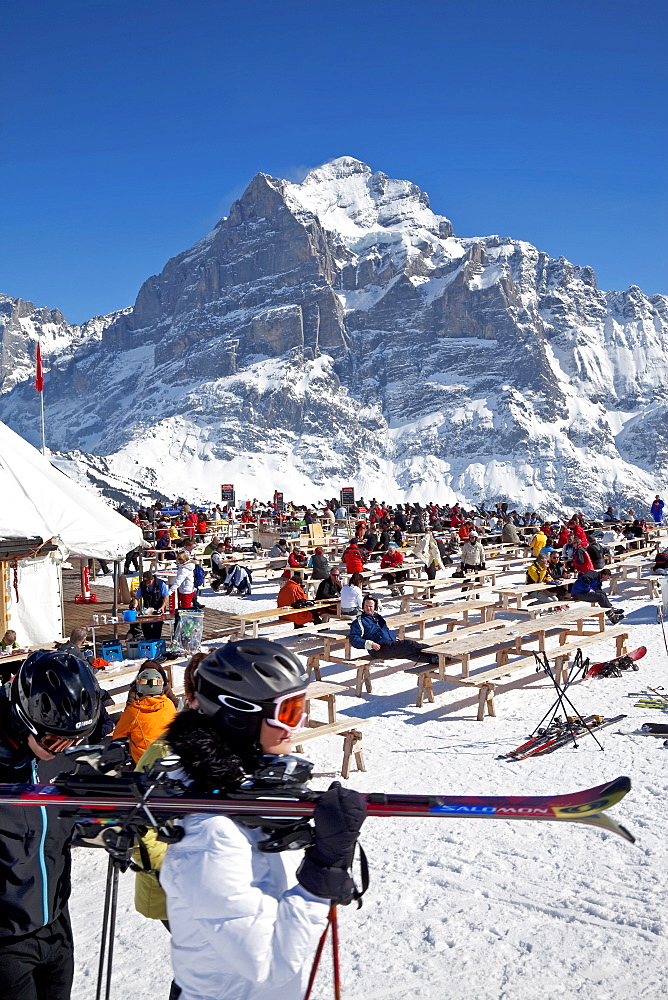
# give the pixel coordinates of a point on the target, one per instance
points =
(237, 684)
(57, 693)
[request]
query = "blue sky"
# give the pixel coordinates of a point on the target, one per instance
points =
(128, 128)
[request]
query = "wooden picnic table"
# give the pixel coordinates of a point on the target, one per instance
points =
(401, 623)
(517, 634)
(258, 618)
(519, 592)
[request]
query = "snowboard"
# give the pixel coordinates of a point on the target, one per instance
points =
(614, 667)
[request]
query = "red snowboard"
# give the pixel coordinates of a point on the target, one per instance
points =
(625, 662)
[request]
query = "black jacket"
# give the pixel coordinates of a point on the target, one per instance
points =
(328, 589)
(35, 879)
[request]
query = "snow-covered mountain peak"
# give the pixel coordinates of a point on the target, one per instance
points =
(348, 198)
(336, 331)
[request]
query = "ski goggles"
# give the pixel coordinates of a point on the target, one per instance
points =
(57, 744)
(287, 711)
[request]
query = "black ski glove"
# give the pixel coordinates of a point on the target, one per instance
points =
(338, 819)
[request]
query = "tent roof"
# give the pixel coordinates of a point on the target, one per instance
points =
(38, 500)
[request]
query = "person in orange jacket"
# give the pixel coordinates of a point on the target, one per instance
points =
(147, 717)
(287, 595)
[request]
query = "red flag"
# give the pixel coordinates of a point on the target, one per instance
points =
(39, 375)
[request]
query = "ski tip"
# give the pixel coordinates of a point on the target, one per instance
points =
(604, 822)
(619, 786)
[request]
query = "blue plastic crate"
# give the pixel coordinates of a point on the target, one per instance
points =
(150, 648)
(112, 652)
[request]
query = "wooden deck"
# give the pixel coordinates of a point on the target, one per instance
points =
(80, 614)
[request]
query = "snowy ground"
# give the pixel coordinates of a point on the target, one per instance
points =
(463, 908)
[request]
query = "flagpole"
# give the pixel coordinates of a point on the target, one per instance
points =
(39, 385)
(41, 396)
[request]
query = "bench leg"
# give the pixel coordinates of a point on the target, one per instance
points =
(420, 691)
(561, 669)
(621, 644)
(486, 701)
(352, 744)
(363, 677)
(313, 664)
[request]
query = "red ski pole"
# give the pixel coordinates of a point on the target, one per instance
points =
(318, 954)
(334, 921)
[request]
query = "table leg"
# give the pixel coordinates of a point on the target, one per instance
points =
(331, 707)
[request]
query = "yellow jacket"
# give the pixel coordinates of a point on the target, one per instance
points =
(537, 573)
(538, 542)
(150, 899)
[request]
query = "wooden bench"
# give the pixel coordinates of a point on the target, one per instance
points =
(486, 680)
(272, 616)
(519, 592)
(352, 740)
(402, 624)
(516, 635)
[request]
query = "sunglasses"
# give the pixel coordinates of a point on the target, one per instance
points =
(57, 744)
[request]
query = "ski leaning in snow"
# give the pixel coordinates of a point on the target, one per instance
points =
(114, 799)
(560, 735)
(613, 668)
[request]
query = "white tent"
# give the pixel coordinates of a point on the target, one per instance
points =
(37, 500)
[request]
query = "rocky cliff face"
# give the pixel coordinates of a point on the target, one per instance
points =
(336, 331)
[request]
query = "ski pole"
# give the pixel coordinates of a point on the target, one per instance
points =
(318, 955)
(105, 927)
(334, 919)
(659, 615)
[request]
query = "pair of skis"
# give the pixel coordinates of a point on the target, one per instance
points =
(108, 801)
(560, 734)
(651, 698)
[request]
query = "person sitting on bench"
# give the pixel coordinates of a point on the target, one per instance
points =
(369, 631)
(589, 587)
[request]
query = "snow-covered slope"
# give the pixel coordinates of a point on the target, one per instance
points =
(337, 331)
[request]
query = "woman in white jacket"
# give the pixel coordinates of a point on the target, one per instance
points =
(185, 580)
(245, 922)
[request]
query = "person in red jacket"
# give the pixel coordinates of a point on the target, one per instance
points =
(352, 557)
(578, 531)
(581, 559)
(393, 559)
(564, 535)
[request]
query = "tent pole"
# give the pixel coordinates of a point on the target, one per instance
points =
(114, 607)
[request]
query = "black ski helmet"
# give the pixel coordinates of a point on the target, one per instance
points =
(55, 693)
(237, 683)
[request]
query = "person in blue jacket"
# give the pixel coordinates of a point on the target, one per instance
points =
(370, 631)
(589, 587)
(657, 509)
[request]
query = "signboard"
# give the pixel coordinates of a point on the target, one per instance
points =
(278, 501)
(348, 496)
(227, 494)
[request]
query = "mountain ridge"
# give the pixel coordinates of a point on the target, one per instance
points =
(337, 330)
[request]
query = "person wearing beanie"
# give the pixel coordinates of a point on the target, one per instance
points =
(473, 554)
(146, 717)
